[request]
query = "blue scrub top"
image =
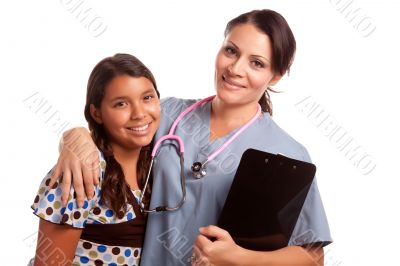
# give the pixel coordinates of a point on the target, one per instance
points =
(170, 235)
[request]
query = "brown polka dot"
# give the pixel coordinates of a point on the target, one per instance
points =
(54, 185)
(37, 199)
(47, 182)
(96, 211)
(136, 253)
(120, 214)
(115, 251)
(87, 245)
(98, 262)
(49, 210)
(77, 215)
(65, 218)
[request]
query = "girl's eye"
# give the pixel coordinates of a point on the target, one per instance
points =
(148, 97)
(120, 104)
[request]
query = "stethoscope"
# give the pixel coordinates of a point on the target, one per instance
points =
(198, 168)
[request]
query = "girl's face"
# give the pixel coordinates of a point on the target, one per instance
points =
(129, 112)
(243, 68)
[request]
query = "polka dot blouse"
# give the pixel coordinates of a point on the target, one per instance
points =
(47, 206)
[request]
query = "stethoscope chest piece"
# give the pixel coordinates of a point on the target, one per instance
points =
(198, 170)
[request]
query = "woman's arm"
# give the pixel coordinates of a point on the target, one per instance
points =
(224, 251)
(79, 162)
(56, 244)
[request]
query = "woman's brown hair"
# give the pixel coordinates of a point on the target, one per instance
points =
(283, 42)
(115, 191)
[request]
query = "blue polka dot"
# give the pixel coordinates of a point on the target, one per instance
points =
(70, 206)
(130, 216)
(56, 218)
(97, 222)
(84, 259)
(112, 264)
(107, 257)
(85, 204)
(128, 252)
(50, 197)
(62, 211)
(78, 224)
(109, 213)
(79, 251)
(42, 204)
(101, 249)
(58, 191)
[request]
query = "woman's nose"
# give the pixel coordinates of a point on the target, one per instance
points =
(237, 68)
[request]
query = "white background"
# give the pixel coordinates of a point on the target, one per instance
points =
(47, 52)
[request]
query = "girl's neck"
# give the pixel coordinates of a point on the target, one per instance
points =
(128, 159)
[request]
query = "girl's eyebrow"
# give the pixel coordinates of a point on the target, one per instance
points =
(119, 98)
(150, 90)
(253, 55)
(123, 97)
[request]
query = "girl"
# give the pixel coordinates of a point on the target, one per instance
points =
(123, 113)
(257, 51)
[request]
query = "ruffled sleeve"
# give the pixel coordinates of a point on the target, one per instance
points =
(47, 203)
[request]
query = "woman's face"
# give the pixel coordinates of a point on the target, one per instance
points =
(129, 112)
(243, 68)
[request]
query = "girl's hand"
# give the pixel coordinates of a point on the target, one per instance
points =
(79, 162)
(222, 251)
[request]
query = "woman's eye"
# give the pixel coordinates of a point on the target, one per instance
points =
(258, 64)
(230, 50)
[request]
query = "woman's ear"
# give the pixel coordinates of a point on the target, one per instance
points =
(96, 114)
(275, 79)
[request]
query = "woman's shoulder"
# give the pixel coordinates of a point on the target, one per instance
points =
(173, 106)
(280, 141)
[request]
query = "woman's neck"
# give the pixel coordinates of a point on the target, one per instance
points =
(128, 159)
(226, 117)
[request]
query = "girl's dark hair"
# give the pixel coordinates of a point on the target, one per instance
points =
(283, 42)
(115, 190)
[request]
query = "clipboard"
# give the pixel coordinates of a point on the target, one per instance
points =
(265, 199)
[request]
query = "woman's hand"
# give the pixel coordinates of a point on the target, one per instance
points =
(79, 162)
(222, 251)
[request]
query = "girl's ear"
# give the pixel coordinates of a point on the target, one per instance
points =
(96, 114)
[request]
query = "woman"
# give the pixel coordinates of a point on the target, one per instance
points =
(123, 114)
(257, 51)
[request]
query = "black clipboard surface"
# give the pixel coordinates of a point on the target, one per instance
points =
(265, 199)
